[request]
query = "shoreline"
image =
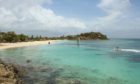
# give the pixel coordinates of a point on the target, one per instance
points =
(25, 44)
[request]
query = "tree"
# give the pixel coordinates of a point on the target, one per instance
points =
(23, 37)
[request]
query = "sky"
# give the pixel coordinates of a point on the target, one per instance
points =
(115, 18)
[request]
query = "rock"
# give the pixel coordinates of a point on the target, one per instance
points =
(28, 61)
(9, 74)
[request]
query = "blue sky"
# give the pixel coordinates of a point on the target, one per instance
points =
(83, 9)
(115, 18)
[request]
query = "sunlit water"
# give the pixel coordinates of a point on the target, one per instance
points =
(93, 62)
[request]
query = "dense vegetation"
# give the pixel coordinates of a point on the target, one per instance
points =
(84, 36)
(13, 37)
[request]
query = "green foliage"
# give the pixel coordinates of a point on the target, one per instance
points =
(92, 35)
(13, 37)
(22, 37)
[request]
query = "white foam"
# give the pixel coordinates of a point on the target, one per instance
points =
(130, 50)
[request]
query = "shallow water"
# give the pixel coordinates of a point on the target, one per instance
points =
(93, 62)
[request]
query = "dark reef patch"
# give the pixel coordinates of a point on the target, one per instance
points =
(46, 74)
(134, 59)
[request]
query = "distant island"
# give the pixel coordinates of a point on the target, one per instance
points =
(13, 37)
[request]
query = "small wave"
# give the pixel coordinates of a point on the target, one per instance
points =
(130, 50)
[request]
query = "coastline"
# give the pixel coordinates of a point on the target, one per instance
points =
(25, 44)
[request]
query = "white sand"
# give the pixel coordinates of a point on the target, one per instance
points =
(24, 44)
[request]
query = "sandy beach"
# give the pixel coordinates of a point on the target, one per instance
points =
(24, 44)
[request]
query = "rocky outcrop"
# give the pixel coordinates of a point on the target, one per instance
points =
(10, 74)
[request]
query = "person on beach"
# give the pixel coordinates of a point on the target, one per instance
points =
(49, 42)
(78, 41)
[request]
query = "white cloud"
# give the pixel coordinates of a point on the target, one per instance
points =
(115, 11)
(31, 15)
(49, 19)
(111, 6)
(7, 17)
(117, 21)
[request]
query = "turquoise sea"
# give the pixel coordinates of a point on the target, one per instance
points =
(92, 62)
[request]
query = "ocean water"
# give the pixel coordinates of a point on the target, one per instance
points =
(92, 62)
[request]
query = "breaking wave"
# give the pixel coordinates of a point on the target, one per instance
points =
(130, 50)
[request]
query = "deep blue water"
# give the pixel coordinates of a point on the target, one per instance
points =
(93, 62)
